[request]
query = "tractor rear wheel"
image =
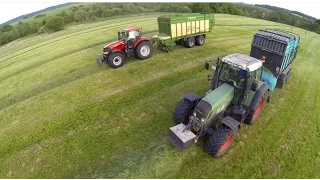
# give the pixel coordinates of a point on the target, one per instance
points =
(143, 50)
(116, 59)
(190, 42)
(220, 141)
(254, 114)
(199, 40)
(183, 110)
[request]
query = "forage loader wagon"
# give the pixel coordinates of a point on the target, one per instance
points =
(187, 29)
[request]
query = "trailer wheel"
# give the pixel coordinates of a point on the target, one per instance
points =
(199, 40)
(182, 111)
(254, 114)
(220, 141)
(190, 42)
(116, 59)
(144, 50)
(281, 80)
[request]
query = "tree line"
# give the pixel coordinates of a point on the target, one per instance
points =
(42, 23)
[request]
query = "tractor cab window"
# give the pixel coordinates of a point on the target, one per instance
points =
(123, 35)
(232, 75)
(256, 74)
(133, 35)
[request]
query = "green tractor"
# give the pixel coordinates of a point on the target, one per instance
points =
(237, 95)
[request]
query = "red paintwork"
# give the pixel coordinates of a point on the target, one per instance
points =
(259, 108)
(227, 143)
(131, 29)
(137, 41)
(117, 45)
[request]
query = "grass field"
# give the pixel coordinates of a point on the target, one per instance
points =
(62, 116)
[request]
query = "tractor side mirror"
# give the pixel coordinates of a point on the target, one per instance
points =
(206, 65)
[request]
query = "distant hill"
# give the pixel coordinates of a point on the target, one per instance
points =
(37, 12)
(274, 8)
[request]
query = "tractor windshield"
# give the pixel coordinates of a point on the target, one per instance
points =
(133, 35)
(129, 35)
(232, 75)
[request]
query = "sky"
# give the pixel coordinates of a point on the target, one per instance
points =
(9, 10)
(15, 8)
(309, 8)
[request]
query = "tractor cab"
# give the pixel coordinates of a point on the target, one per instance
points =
(129, 35)
(240, 71)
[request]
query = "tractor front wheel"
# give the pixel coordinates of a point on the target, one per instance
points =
(116, 59)
(144, 50)
(220, 141)
(183, 111)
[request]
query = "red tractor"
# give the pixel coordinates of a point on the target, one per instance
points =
(130, 44)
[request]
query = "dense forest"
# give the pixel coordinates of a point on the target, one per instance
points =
(43, 23)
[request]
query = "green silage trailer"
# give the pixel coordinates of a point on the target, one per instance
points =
(186, 29)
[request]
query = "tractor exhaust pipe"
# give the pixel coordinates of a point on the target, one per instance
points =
(181, 137)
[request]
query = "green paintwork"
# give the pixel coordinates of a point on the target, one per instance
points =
(249, 98)
(251, 94)
(219, 99)
(165, 22)
(166, 38)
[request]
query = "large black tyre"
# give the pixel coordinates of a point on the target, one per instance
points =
(255, 113)
(116, 59)
(281, 80)
(143, 50)
(220, 141)
(199, 40)
(190, 42)
(183, 110)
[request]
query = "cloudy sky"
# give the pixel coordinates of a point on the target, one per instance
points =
(12, 9)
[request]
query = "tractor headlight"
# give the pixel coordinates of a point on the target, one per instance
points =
(106, 51)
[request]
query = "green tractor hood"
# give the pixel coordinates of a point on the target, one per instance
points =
(214, 102)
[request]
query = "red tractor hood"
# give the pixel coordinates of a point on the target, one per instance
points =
(116, 45)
